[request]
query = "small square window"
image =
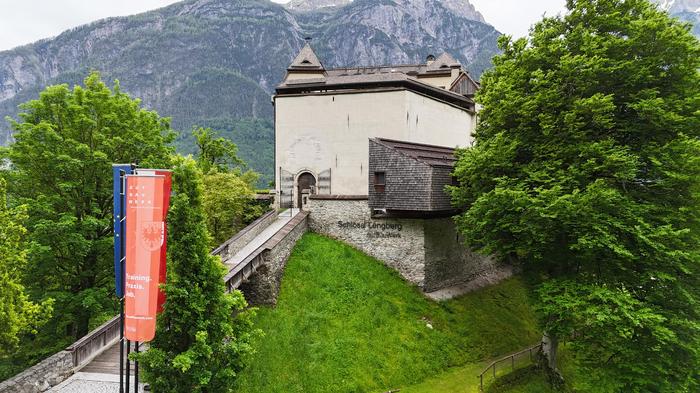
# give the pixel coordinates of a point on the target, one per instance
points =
(379, 181)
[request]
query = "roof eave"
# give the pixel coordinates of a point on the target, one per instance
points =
(413, 85)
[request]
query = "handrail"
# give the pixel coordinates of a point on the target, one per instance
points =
(242, 232)
(92, 344)
(512, 362)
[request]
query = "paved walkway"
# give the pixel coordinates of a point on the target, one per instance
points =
(282, 219)
(92, 383)
(101, 375)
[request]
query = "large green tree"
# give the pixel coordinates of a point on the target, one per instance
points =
(229, 203)
(586, 169)
(229, 192)
(203, 333)
(18, 315)
(60, 168)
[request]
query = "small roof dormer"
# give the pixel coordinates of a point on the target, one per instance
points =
(306, 60)
(443, 62)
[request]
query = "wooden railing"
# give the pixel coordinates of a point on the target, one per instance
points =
(511, 359)
(94, 342)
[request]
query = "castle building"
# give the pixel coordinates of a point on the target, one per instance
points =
(368, 151)
(324, 119)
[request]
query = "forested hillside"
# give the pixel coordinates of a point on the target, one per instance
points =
(215, 63)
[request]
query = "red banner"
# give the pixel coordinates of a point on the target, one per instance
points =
(167, 185)
(145, 240)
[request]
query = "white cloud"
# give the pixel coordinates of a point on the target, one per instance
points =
(26, 21)
(515, 17)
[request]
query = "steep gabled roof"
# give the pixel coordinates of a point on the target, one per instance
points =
(444, 61)
(306, 60)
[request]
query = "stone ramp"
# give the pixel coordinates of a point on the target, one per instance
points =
(266, 234)
(106, 363)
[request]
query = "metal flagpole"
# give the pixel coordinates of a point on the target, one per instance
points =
(128, 364)
(128, 344)
(122, 193)
(136, 370)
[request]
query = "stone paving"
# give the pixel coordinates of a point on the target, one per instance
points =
(91, 383)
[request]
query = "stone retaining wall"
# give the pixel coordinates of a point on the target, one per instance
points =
(426, 252)
(264, 285)
(399, 243)
(41, 377)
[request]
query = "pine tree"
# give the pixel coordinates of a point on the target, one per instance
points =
(203, 333)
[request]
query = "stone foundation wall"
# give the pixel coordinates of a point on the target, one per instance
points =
(41, 377)
(427, 252)
(399, 243)
(448, 261)
(264, 285)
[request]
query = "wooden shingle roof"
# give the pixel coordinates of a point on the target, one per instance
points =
(428, 154)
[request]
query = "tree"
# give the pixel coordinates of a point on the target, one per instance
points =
(65, 144)
(199, 344)
(18, 315)
(229, 192)
(586, 170)
(215, 153)
(229, 203)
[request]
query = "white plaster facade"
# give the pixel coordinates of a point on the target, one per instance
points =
(322, 124)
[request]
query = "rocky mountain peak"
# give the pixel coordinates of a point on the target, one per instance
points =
(314, 5)
(678, 6)
(461, 8)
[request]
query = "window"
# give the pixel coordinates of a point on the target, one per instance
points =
(379, 181)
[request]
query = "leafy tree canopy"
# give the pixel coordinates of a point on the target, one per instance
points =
(215, 153)
(586, 169)
(229, 193)
(18, 315)
(229, 203)
(65, 144)
(203, 333)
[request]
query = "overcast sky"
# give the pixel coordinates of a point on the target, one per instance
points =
(26, 21)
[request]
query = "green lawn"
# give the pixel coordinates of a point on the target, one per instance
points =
(462, 380)
(346, 323)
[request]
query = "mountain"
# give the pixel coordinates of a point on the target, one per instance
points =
(216, 62)
(686, 10)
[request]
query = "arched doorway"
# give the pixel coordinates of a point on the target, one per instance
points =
(305, 181)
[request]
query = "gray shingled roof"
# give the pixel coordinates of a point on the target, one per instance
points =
(444, 61)
(391, 76)
(428, 154)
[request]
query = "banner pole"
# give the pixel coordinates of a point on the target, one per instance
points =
(136, 369)
(128, 364)
(122, 193)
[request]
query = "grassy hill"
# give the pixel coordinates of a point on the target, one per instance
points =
(346, 323)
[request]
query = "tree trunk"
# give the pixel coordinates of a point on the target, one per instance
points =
(550, 345)
(82, 325)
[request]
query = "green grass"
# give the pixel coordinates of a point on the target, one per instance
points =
(346, 323)
(462, 380)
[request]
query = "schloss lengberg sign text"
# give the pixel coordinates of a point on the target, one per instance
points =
(374, 230)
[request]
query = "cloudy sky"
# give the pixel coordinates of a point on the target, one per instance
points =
(25, 21)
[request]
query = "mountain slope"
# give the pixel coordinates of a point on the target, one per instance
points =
(216, 62)
(686, 10)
